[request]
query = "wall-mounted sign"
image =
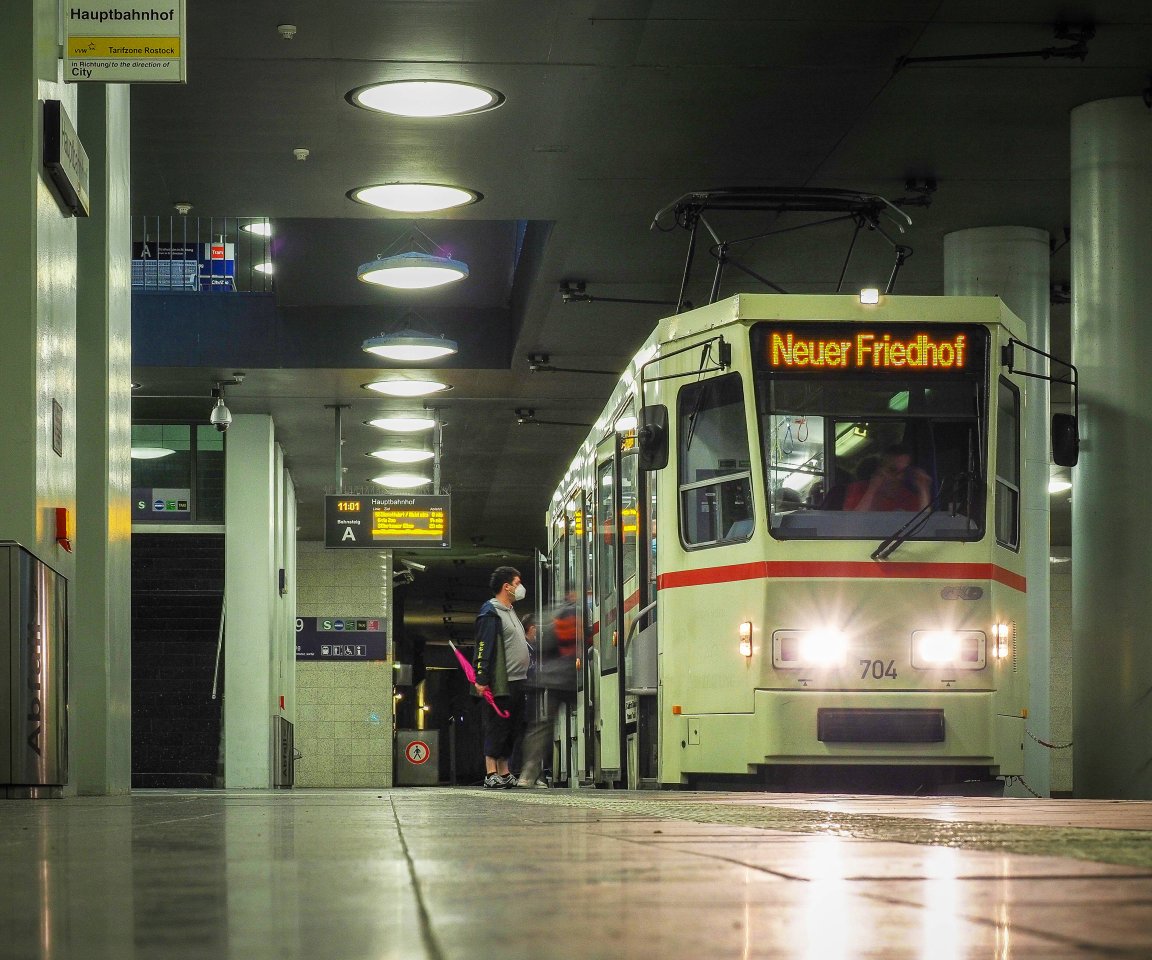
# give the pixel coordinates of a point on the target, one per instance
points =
(65, 158)
(124, 41)
(387, 520)
(341, 638)
(161, 505)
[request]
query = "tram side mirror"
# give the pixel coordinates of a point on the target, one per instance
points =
(1065, 440)
(652, 437)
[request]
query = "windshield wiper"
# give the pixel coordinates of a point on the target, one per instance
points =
(914, 523)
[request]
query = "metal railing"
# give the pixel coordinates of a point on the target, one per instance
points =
(202, 254)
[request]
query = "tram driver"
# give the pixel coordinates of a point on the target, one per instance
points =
(895, 483)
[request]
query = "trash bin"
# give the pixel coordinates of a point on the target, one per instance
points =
(417, 758)
(33, 676)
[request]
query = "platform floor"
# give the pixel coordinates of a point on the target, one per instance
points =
(448, 874)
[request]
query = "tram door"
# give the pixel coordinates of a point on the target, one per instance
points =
(619, 505)
(563, 661)
(578, 572)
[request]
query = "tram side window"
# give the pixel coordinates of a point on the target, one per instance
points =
(715, 469)
(606, 518)
(1008, 465)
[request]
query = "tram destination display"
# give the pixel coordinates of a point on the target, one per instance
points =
(387, 520)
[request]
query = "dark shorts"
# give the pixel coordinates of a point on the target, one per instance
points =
(500, 733)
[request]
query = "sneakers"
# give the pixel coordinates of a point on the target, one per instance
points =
(497, 781)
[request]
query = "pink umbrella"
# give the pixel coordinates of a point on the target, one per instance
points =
(466, 666)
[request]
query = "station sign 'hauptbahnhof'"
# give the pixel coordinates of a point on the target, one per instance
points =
(125, 41)
(382, 521)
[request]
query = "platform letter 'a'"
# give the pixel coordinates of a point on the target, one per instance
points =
(349, 534)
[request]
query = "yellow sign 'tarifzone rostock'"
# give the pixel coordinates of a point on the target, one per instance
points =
(80, 47)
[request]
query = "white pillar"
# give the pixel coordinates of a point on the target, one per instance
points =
(101, 649)
(250, 594)
(1013, 264)
(1111, 246)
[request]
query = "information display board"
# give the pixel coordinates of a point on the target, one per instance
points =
(384, 521)
(341, 638)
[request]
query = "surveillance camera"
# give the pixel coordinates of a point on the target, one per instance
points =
(221, 416)
(413, 565)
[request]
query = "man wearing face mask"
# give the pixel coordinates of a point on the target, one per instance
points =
(501, 661)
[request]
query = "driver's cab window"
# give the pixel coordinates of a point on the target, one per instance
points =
(715, 469)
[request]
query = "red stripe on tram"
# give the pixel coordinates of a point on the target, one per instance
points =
(842, 570)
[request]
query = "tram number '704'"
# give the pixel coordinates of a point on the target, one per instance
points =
(878, 668)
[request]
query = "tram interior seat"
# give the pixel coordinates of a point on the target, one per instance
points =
(741, 529)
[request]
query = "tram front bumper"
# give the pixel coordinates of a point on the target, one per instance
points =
(858, 727)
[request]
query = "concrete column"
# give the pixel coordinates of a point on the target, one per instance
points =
(1111, 249)
(1013, 264)
(250, 593)
(38, 292)
(101, 680)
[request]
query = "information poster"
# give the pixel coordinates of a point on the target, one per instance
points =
(387, 521)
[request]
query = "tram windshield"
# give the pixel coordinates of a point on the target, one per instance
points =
(864, 427)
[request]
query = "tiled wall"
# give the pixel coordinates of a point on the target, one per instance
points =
(343, 709)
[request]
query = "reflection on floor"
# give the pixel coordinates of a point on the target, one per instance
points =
(445, 874)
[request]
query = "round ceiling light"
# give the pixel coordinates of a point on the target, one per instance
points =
(402, 424)
(151, 453)
(414, 197)
(402, 455)
(406, 388)
(412, 271)
(401, 481)
(265, 267)
(409, 345)
(425, 98)
(261, 228)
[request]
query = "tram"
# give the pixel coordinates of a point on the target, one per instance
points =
(794, 541)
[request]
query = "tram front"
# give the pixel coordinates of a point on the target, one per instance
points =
(885, 597)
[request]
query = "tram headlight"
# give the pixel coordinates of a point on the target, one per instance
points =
(1001, 633)
(797, 649)
(954, 649)
(823, 648)
(746, 638)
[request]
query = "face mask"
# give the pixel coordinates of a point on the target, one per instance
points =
(520, 593)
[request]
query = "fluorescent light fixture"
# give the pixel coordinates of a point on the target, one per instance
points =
(1059, 485)
(402, 455)
(425, 98)
(414, 197)
(401, 481)
(869, 295)
(402, 424)
(151, 453)
(406, 388)
(261, 228)
(412, 271)
(409, 345)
